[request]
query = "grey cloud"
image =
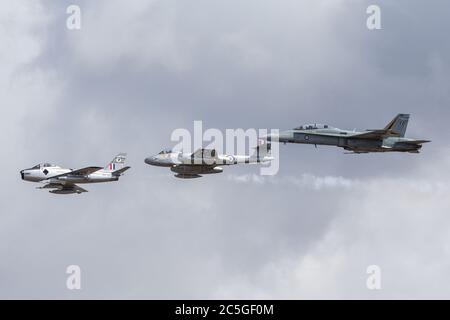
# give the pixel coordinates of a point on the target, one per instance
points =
(138, 70)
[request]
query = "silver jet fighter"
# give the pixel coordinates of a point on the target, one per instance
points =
(64, 181)
(205, 161)
(390, 138)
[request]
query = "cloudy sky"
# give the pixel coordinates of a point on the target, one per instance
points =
(137, 70)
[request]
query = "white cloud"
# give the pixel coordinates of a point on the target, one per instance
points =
(399, 224)
(246, 178)
(306, 180)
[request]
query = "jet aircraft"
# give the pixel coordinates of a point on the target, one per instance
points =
(64, 181)
(205, 161)
(390, 138)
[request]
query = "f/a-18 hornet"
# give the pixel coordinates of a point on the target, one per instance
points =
(391, 138)
(64, 181)
(205, 161)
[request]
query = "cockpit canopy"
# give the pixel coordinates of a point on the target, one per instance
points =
(165, 151)
(42, 165)
(312, 126)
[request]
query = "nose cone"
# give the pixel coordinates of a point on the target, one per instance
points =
(22, 175)
(158, 161)
(150, 160)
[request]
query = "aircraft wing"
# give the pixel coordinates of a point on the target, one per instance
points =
(204, 154)
(79, 172)
(64, 187)
(376, 134)
(77, 188)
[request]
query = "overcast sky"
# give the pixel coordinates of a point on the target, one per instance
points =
(137, 70)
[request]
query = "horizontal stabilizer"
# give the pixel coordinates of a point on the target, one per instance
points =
(120, 171)
(416, 141)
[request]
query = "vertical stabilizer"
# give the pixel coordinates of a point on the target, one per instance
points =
(399, 124)
(117, 163)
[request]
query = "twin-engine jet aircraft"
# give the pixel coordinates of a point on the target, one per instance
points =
(63, 181)
(391, 138)
(205, 161)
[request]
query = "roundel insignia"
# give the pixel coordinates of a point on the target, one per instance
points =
(306, 137)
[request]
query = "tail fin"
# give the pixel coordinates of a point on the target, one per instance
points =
(399, 124)
(117, 163)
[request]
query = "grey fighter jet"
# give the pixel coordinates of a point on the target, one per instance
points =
(391, 138)
(204, 161)
(63, 181)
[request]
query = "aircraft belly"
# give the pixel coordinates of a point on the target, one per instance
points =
(364, 143)
(81, 180)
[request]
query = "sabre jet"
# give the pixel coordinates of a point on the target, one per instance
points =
(205, 161)
(390, 138)
(64, 181)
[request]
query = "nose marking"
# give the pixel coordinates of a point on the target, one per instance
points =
(45, 171)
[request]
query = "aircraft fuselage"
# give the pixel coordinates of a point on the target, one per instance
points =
(44, 174)
(345, 139)
(193, 165)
